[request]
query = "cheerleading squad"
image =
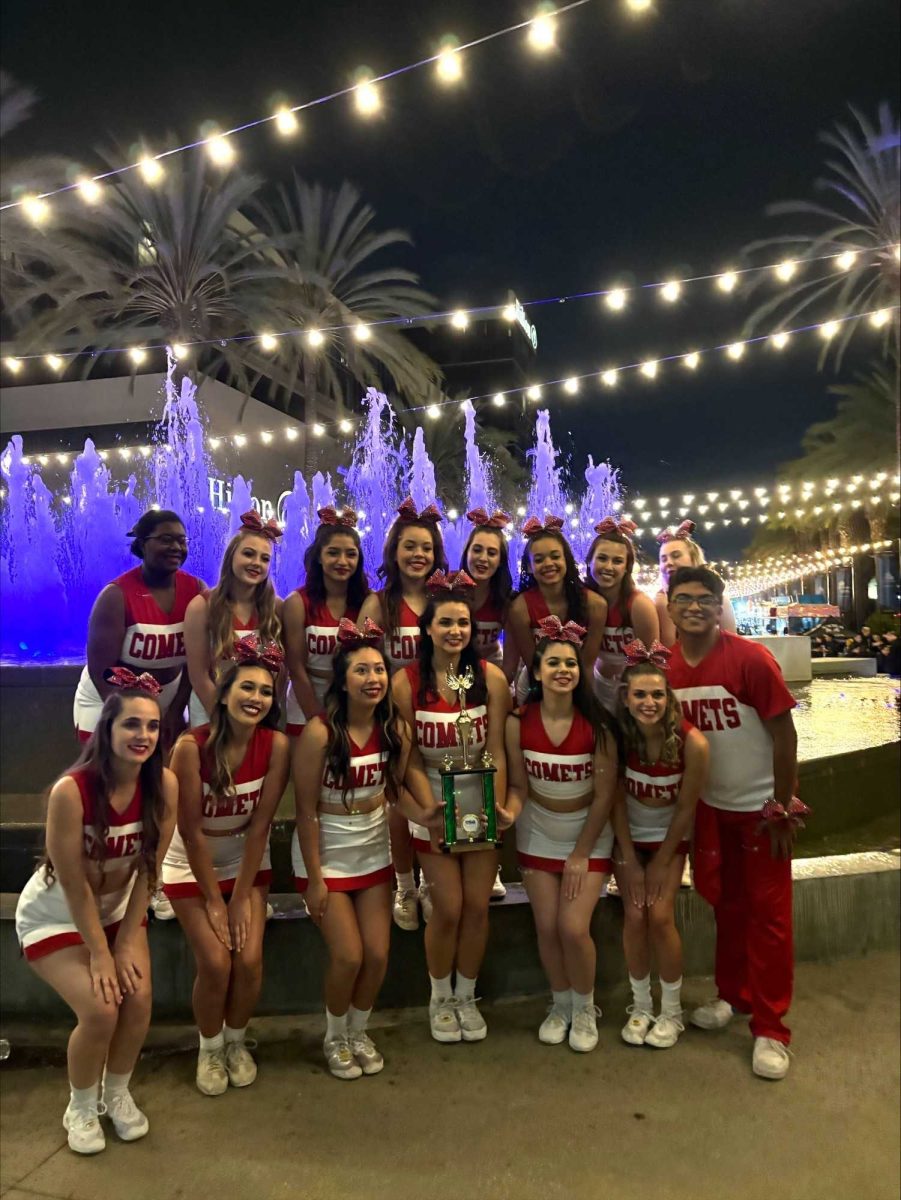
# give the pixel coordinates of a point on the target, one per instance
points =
(618, 753)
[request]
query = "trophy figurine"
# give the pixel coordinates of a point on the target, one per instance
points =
(470, 821)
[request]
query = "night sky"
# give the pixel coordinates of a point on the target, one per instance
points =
(641, 148)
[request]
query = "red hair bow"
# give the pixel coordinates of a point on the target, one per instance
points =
(250, 652)
(549, 525)
(497, 520)
(680, 534)
(330, 516)
(351, 635)
(122, 677)
(611, 525)
(552, 627)
(637, 652)
(407, 512)
(251, 520)
(457, 581)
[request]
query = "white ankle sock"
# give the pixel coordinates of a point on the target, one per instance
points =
(212, 1043)
(641, 993)
(115, 1083)
(563, 1000)
(358, 1019)
(441, 988)
(465, 988)
(336, 1027)
(405, 881)
(582, 999)
(234, 1035)
(83, 1097)
(671, 998)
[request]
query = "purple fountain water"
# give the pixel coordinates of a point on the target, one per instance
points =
(375, 477)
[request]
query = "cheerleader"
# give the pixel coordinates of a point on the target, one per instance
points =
(459, 884)
(562, 760)
(138, 621)
(630, 613)
(81, 918)
(549, 585)
(414, 549)
(485, 560)
(231, 776)
(335, 588)
(243, 601)
(666, 764)
(348, 766)
(677, 548)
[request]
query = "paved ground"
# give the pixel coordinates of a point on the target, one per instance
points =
(507, 1119)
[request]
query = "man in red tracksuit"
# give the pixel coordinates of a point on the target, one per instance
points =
(732, 690)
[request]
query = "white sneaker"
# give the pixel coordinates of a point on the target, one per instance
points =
(161, 908)
(771, 1058)
(340, 1059)
(425, 901)
(498, 891)
(364, 1051)
(636, 1028)
(715, 1014)
(212, 1076)
(128, 1120)
(443, 1021)
(83, 1127)
(665, 1032)
(406, 913)
(583, 1036)
(270, 911)
(239, 1064)
(555, 1026)
(472, 1024)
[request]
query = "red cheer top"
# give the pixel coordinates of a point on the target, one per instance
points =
(656, 783)
(125, 836)
(232, 813)
(154, 639)
(563, 772)
(366, 773)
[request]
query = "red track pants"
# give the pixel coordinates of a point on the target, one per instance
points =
(751, 893)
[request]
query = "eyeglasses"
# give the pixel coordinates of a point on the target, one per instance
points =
(684, 600)
(168, 539)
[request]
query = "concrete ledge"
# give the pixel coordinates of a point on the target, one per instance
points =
(844, 906)
(844, 666)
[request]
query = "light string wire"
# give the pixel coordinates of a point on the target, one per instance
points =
(308, 104)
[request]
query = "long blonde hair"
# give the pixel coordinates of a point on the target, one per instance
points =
(220, 602)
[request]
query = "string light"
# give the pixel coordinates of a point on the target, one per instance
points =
(318, 429)
(829, 329)
(691, 360)
(533, 393)
(449, 67)
(509, 312)
(367, 98)
(240, 440)
(268, 342)
(727, 281)
(266, 437)
(315, 338)
(179, 350)
(460, 319)
(220, 150)
(286, 122)
(785, 271)
(608, 378)
(736, 351)
(346, 426)
(292, 434)
(671, 291)
(362, 332)
(616, 299)
(542, 33)
(433, 411)
(780, 340)
(13, 364)
(54, 362)
(880, 318)
(649, 369)
(137, 355)
(151, 170)
(36, 209)
(499, 400)
(90, 191)
(846, 260)
(571, 386)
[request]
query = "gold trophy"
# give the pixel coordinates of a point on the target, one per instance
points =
(470, 820)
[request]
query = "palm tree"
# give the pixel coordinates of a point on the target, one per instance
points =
(864, 214)
(331, 275)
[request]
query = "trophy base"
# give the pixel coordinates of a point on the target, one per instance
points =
(466, 847)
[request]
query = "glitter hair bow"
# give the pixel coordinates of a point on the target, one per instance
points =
(553, 628)
(480, 518)
(350, 635)
(679, 534)
(455, 581)
(407, 513)
(611, 525)
(126, 680)
(535, 526)
(776, 814)
(330, 516)
(250, 652)
(268, 529)
(657, 655)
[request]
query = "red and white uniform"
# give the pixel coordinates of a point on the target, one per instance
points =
(544, 838)
(611, 660)
(728, 696)
(649, 823)
(197, 713)
(402, 642)
(488, 625)
(43, 919)
(154, 640)
(225, 817)
(321, 639)
(354, 852)
(436, 737)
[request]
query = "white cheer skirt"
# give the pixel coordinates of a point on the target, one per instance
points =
(295, 717)
(546, 839)
(227, 854)
(354, 852)
(649, 826)
(44, 922)
(89, 703)
(607, 691)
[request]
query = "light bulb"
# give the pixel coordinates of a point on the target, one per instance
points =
(13, 364)
(509, 312)
(150, 169)
(345, 426)
(639, 6)
(571, 386)
(89, 190)
(268, 342)
(220, 151)
(449, 67)
(318, 429)
(213, 443)
(292, 434)
(460, 320)
(499, 400)
(54, 362)
(649, 369)
(35, 209)
(878, 319)
(727, 281)
(433, 411)
(780, 340)
(542, 32)
(266, 437)
(828, 329)
(240, 439)
(785, 270)
(314, 338)
(616, 299)
(608, 378)
(179, 350)
(671, 291)
(533, 393)
(286, 122)
(367, 99)
(137, 355)
(846, 261)
(362, 333)
(691, 360)
(736, 350)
